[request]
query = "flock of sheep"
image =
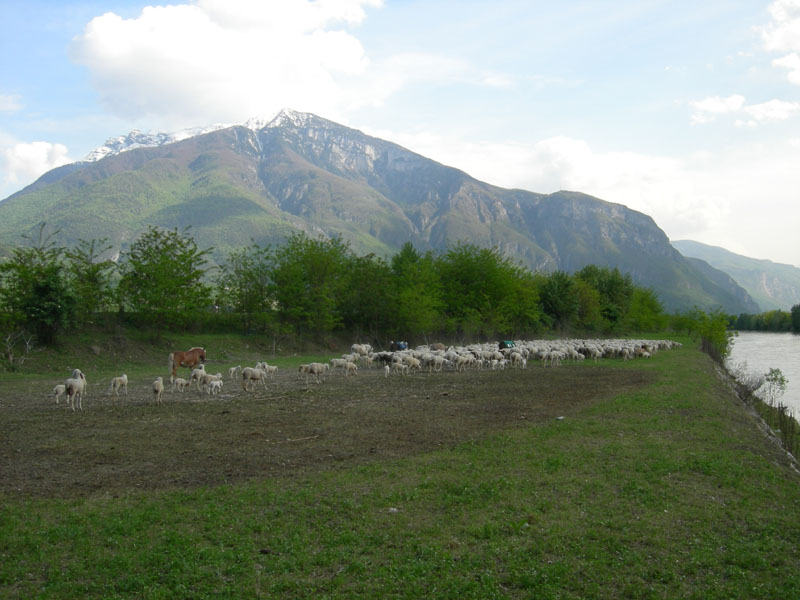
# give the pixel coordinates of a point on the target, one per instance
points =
(432, 358)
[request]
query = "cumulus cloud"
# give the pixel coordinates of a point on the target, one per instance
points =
(782, 34)
(228, 60)
(791, 62)
(21, 163)
(750, 115)
(709, 109)
(223, 60)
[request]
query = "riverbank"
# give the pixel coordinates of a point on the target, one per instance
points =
(666, 487)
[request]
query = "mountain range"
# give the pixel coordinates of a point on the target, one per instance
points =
(299, 172)
(774, 286)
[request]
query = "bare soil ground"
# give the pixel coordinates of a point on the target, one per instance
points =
(117, 445)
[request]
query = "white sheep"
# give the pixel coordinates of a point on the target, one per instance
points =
(118, 383)
(75, 389)
(214, 387)
(205, 380)
(350, 368)
(361, 349)
(233, 372)
(179, 383)
(400, 368)
(158, 389)
(59, 391)
(252, 376)
(196, 375)
(386, 370)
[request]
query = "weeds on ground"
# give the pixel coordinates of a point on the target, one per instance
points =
(763, 391)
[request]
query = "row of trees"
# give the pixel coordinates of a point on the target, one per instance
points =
(310, 287)
(772, 320)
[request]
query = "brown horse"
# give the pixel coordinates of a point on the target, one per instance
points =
(189, 359)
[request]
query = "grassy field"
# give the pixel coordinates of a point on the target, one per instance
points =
(657, 483)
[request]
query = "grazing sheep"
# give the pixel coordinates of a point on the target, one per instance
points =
(205, 380)
(158, 389)
(400, 368)
(179, 384)
(252, 376)
(350, 368)
(118, 383)
(75, 388)
(196, 375)
(59, 391)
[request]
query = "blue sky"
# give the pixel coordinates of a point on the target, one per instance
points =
(686, 111)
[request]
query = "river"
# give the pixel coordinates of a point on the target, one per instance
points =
(765, 351)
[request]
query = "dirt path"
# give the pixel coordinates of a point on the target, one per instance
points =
(117, 445)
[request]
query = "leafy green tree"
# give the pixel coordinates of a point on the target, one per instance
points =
(795, 318)
(245, 283)
(482, 290)
(308, 280)
(615, 291)
(90, 277)
(715, 335)
(646, 313)
(589, 315)
(367, 304)
(417, 292)
(559, 300)
(34, 291)
(163, 276)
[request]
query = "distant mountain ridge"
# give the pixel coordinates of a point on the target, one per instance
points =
(299, 172)
(774, 286)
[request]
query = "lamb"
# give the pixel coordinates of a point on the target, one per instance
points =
(386, 370)
(158, 389)
(400, 368)
(214, 387)
(179, 383)
(233, 372)
(205, 380)
(59, 391)
(117, 383)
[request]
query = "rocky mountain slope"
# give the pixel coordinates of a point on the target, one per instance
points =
(772, 285)
(301, 172)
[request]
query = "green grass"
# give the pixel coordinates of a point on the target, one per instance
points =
(667, 492)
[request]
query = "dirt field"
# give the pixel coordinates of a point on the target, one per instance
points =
(292, 428)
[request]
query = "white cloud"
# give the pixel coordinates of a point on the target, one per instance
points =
(709, 109)
(228, 60)
(792, 63)
(22, 163)
(783, 33)
(223, 60)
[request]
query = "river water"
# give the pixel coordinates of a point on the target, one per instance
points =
(765, 351)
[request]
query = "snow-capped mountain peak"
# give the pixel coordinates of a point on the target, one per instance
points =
(138, 139)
